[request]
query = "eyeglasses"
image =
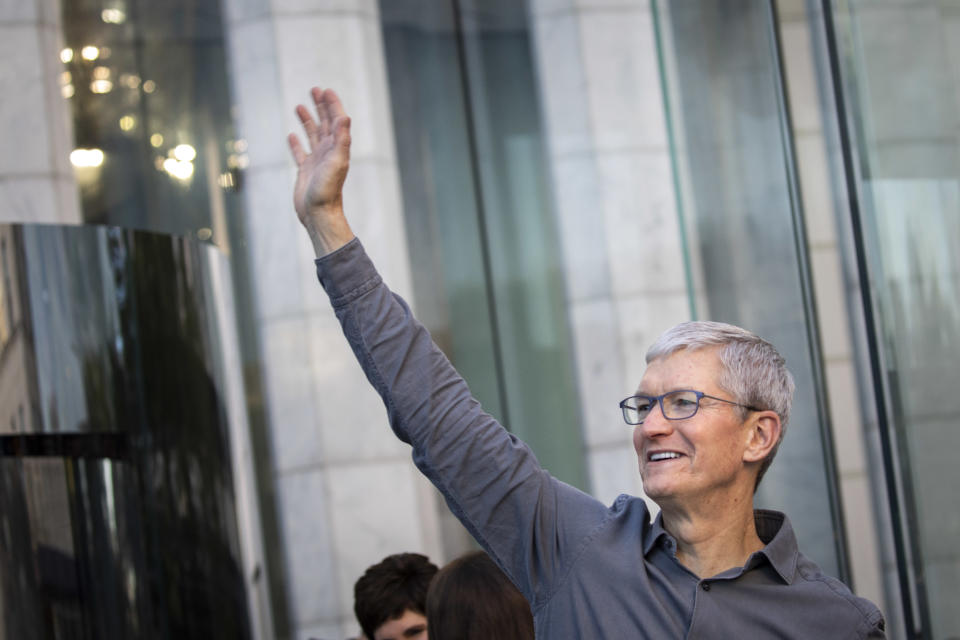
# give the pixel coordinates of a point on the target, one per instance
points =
(674, 405)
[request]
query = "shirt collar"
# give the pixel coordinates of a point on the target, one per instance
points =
(780, 543)
(653, 534)
(775, 531)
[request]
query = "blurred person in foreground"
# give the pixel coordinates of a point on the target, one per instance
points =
(390, 598)
(471, 599)
(708, 417)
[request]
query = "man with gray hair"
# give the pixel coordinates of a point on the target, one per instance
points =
(708, 416)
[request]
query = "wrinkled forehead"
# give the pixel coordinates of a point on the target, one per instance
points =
(696, 368)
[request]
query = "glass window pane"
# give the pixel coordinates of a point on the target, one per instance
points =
(727, 122)
(479, 217)
(904, 110)
(147, 86)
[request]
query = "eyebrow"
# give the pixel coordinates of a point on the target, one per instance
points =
(412, 631)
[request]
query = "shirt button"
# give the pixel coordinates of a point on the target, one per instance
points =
(705, 586)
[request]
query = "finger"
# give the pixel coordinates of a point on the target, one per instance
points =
(334, 104)
(341, 131)
(309, 125)
(299, 155)
(324, 125)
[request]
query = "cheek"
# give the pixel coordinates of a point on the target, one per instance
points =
(637, 439)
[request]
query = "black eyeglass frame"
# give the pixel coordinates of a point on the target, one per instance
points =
(700, 395)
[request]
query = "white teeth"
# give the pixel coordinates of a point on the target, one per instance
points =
(663, 455)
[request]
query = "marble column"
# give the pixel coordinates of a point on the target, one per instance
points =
(36, 178)
(600, 86)
(346, 491)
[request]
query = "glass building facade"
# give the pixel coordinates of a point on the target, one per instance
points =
(188, 448)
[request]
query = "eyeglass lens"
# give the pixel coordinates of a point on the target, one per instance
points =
(675, 405)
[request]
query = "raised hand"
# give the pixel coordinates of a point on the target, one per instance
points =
(318, 193)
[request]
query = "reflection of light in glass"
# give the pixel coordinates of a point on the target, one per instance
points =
(225, 180)
(90, 52)
(66, 78)
(66, 55)
(130, 80)
(204, 233)
(156, 140)
(149, 86)
(235, 161)
(178, 169)
(240, 146)
(81, 158)
(101, 73)
(101, 86)
(184, 153)
(127, 123)
(67, 90)
(113, 16)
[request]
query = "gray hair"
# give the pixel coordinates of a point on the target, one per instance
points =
(753, 371)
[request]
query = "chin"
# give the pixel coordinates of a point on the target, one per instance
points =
(657, 490)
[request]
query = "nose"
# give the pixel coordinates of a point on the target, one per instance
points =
(655, 424)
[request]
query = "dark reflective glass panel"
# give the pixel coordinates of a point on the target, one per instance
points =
(118, 516)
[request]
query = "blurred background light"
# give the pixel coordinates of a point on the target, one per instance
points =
(113, 16)
(180, 170)
(184, 153)
(82, 158)
(101, 86)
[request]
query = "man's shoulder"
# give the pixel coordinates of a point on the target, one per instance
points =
(835, 596)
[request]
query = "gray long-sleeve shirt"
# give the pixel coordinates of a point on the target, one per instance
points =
(588, 570)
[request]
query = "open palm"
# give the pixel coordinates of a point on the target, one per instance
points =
(322, 171)
(318, 193)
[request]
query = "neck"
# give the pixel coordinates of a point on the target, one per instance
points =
(712, 536)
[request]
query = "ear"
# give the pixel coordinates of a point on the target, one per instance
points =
(763, 435)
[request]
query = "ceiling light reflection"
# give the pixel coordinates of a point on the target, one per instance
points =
(184, 153)
(84, 158)
(101, 86)
(182, 171)
(130, 80)
(127, 122)
(90, 52)
(66, 55)
(149, 86)
(113, 16)
(156, 140)
(67, 91)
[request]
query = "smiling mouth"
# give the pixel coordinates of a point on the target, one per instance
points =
(663, 455)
